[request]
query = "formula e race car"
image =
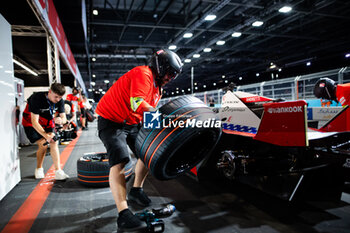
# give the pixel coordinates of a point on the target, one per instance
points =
(267, 144)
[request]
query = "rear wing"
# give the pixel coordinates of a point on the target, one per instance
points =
(284, 124)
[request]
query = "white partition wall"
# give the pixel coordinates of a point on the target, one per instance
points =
(9, 165)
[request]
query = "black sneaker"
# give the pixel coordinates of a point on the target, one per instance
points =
(128, 222)
(139, 196)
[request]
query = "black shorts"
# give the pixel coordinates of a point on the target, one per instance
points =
(116, 138)
(83, 113)
(33, 135)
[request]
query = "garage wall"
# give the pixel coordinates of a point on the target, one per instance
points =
(9, 165)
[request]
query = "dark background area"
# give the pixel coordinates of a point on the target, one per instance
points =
(125, 34)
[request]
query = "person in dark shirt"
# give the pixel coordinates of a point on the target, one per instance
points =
(39, 123)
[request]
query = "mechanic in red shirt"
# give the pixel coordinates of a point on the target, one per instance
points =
(74, 99)
(327, 89)
(39, 123)
(120, 113)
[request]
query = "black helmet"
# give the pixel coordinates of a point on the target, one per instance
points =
(166, 62)
(325, 88)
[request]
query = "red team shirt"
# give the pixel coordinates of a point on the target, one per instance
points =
(74, 100)
(115, 104)
(343, 93)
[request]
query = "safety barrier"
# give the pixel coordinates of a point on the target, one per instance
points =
(293, 88)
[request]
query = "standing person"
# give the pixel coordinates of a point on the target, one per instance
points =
(327, 89)
(211, 101)
(120, 112)
(84, 106)
(39, 123)
(74, 99)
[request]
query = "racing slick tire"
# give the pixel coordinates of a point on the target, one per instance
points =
(171, 151)
(89, 115)
(93, 170)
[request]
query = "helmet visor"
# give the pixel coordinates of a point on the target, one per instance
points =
(172, 74)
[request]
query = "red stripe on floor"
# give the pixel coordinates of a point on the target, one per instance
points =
(23, 219)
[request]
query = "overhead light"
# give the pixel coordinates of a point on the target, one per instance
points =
(214, 84)
(204, 86)
(100, 89)
(276, 75)
(93, 83)
(285, 9)
(197, 55)
(90, 90)
(183, 90)
(223, 76)
(189, 89)
(210, 17)
(187, 60)
(272, 65)
(220, 42)
(226, 81)
(177, 88)
(177, 92)
(106, 81)
(25, 67)
(94, 75)
(207, 50)
(257, 74)
(93, 59)
(257, 23)
(236, 34)
(172, 93)
(103, 92)
(240, 78)
(196, 88)
(279, 70)
(172, 47)
(195, 84)
(308, 63)
(188, 35)
(95, 12)
(347, 55)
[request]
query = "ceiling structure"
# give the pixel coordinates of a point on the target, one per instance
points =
(123, 34)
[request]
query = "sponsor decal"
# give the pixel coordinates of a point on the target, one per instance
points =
(309, 114)
(228, 109)
(239, 128)
(253, 99)
(328, 111)
(230, 102)
(285, 109)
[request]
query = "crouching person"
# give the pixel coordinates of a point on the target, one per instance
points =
(39, 123)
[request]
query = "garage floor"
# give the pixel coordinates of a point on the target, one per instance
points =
(70, 207)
